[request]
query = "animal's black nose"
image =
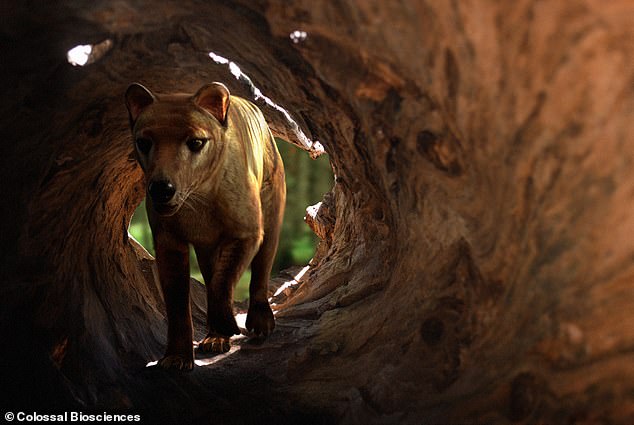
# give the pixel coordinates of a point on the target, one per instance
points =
(161, 191)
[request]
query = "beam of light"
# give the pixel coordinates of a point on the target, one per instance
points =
(241, 320)
(211, 359)
(301, 273)
(298, 36)
(293, 282)
(218, 59)
(206, 361)
(314, 147)
(85, 54)
(78, 55)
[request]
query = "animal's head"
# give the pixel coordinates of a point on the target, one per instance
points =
(177, 138)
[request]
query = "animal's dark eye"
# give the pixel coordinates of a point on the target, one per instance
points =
(195, 145)
(143, 145)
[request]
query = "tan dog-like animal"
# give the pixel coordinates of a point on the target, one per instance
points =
(215, 180)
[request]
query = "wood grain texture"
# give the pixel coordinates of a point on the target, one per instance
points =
(482, 255)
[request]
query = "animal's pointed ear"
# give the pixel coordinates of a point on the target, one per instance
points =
(137, 98)
(214, 98)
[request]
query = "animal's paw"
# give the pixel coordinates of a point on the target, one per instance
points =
(260, 319)
(222, 322)
(215, 343)
(176, 362)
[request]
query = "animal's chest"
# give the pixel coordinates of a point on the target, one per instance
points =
(200, 226)
(206, 223)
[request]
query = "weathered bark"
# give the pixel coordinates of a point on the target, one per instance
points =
(481, 262)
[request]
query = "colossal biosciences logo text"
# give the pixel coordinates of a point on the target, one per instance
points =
(69, 417)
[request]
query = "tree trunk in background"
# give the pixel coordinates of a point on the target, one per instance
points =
(482, 256)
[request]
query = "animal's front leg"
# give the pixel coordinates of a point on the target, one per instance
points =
(173, 265)
(231, 261)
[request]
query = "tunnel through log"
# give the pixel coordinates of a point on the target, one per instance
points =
(482, 259)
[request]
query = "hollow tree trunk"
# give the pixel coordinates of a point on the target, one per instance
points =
(479, 261)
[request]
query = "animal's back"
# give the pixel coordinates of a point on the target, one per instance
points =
(250, 127)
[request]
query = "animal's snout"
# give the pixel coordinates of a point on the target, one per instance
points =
(161, 191)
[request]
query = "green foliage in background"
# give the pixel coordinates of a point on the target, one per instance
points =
(307, 181)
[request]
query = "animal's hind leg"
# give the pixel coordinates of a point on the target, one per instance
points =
(260, 317)
(223, 267)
